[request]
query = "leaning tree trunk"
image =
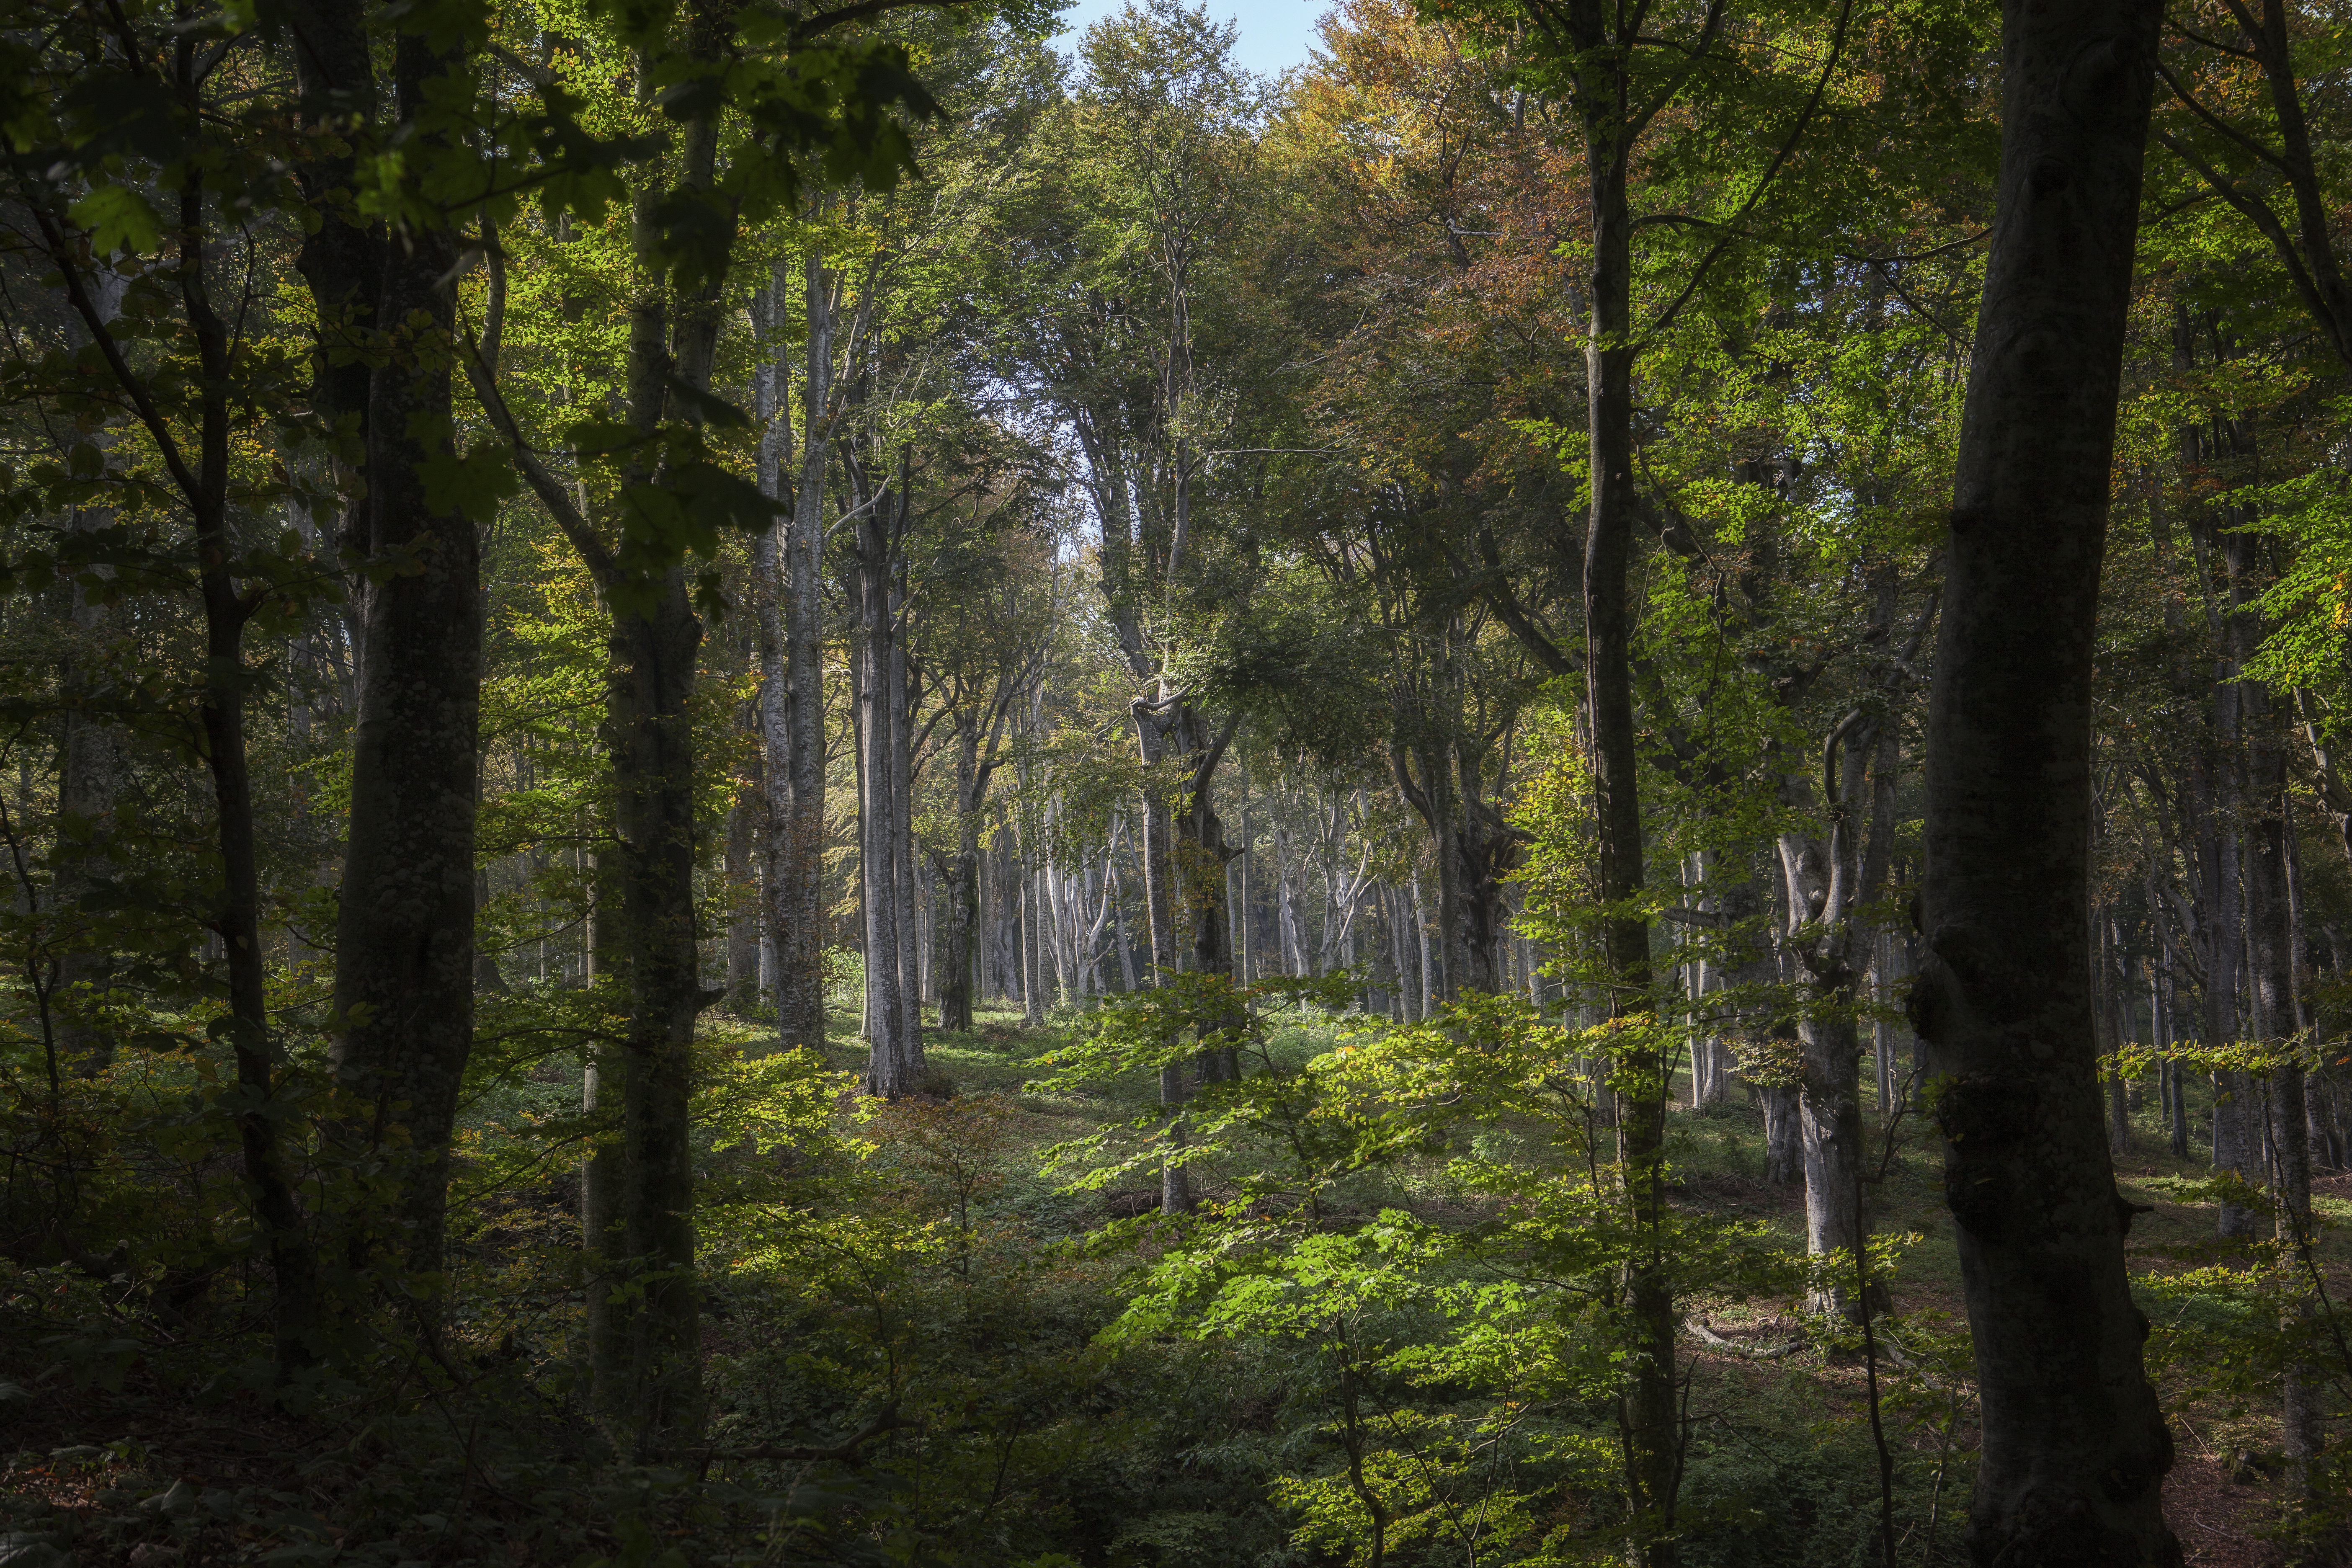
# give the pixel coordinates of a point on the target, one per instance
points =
(2075, 1445)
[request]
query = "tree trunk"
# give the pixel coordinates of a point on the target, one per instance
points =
(1784, 1143)
(93, 765)
(2107, 989)
(404, 934)
(2270, 952)
(1829, 1115)
(652, 680)
(791, 670)
(885, 1076)
(1159, 901)
(742, 875)
(907, 966)
(1650, 1419)
(961, 873)
(601, 1245)
(1427, 993)
(2075, 1445)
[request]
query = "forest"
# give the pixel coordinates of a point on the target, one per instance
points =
(880, 781)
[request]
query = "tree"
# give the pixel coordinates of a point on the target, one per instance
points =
(2076, 1448)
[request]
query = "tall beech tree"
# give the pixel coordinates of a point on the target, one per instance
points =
(2076, 1448)
(404, 970)
(1350, 631)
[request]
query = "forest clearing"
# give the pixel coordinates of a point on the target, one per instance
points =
(799, 782)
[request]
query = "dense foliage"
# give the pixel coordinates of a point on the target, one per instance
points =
(840, 783)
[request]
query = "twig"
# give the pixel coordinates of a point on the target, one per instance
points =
(1773, 1353)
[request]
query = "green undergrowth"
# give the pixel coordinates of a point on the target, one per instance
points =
(957, 1329)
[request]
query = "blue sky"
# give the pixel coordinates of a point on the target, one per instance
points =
(1274, 32)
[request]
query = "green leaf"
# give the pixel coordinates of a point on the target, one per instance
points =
(118, 218)
(474, 484)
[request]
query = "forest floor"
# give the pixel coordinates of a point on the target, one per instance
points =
(1763, 1380)
(2227, 1482)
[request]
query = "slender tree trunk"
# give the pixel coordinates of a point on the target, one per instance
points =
(908, 967)
(2270, 952)
(1650, 1419)
(296, 1307)
(2075, 1445)
(741, 871)
(603, 1246)
(961, 874)
(93, 764)
(884, 1058)
(1428, 995)
(1159, 901)
(791, 665)
(1126, 943)
(2109, 1002)
(1884, 1052)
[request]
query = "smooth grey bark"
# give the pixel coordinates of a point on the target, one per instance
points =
(1829, 1088)
(878, 889)
(893, 1026)
(977, 730)
(1426, 993)
(960, 873)
(1828, 886)
(2075, 1445)
(1159, 903)
(899, 714)
(1777, 1084)
(1032, 975)
(788, 558)
(741, 871)
(1126, 943)
(648, 735)
(2161, 1025)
